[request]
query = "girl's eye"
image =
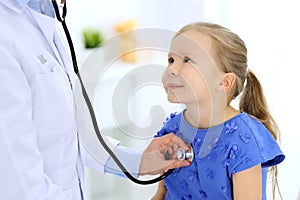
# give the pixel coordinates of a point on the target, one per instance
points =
(171, 60)
(187, 60)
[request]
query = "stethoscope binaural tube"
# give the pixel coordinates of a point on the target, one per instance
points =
(89, 104)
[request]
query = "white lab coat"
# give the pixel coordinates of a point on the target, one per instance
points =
(40, 156)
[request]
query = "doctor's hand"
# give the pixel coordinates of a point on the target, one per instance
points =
(160, 155)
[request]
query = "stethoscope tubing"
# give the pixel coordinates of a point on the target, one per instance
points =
(89, 104)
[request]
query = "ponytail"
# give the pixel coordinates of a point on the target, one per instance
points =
(254, 103)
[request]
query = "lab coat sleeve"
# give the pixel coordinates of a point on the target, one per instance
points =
(130, 159)
(22, 173)
(93, 153)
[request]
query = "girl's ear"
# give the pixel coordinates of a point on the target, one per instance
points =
(227, 82)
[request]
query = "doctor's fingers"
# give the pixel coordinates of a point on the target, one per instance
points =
(161, 166)
(169, 152)
(173, 141)
(172, 164)
(154, 162)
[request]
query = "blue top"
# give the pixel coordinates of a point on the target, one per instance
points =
(238, 144)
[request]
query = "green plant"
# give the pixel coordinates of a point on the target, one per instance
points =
(92, 38)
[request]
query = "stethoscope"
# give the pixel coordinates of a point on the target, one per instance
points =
(181, 153)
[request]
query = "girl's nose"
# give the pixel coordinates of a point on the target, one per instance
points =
(173, 70)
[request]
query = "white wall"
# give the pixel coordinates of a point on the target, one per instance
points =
(269, 28)
(271, 31)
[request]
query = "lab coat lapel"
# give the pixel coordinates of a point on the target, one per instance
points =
(47, 26)
(13, 5)
(61, 46)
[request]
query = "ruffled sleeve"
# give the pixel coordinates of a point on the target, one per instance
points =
(169, 126)
(253, 144)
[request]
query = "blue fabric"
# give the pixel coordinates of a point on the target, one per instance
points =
(35, 4)
(43, 6)
(22, 3)
(242, 143)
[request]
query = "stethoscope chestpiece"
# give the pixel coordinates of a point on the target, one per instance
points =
(188, 155)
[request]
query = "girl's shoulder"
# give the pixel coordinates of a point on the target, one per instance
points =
(248, 126)
(170, 125)
(250, 143)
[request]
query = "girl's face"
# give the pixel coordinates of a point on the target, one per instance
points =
(191, 76)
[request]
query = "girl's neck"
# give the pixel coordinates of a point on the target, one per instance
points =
(206, 118)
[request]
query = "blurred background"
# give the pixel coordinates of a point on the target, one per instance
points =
(271, 32)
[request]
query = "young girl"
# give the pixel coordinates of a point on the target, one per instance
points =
(233, 149)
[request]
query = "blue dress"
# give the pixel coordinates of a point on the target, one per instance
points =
(238, 144)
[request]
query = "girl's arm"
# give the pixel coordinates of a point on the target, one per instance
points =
(247, 184)
(160, 192)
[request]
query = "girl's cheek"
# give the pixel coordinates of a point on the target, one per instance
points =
(164, 78)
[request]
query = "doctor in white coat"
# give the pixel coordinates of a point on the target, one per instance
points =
(41, 157)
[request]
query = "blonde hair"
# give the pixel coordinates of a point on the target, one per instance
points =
(230, 54)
